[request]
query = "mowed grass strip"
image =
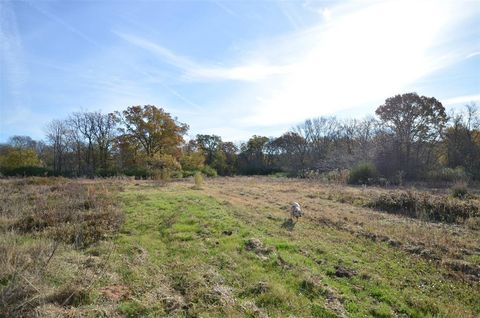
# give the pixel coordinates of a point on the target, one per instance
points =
(183, 252)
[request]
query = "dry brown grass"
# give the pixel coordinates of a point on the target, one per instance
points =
(42, 221)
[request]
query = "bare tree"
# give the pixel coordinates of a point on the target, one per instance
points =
(84, 125)
(57, 131)
(104, 134)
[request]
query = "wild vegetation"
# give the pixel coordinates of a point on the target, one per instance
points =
(226, 247)
(411, 139)
(45, 226)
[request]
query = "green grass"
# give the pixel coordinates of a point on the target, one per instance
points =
(177, 256)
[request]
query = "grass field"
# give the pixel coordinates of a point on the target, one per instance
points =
(228, 249)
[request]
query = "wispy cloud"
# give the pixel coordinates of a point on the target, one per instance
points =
(461, 100)
(194, 71)
(472, 54)
(225, 8)
(63, 23)
(13, 69)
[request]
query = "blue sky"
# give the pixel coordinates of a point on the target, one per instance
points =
(232, 68)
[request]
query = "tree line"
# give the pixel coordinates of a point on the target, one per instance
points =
(411, 137)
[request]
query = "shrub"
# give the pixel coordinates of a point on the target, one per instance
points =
(189, 173)
(448, 175)
(209, 171)
(363, 173)
(177, 174)
(160, 174)
(106, 172)
(28, 171)
(459, 190)
(14, 158)
(193, 161)
(473, 223)
(338, 176)
(137, 172)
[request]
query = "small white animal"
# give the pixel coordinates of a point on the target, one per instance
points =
(295, 211)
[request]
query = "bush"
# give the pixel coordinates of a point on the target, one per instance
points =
(338, 176)
(177, 174)
(209, 171)
(137, 172)
(473, 223)
(459, 190)
(363, 173)
(106, 172)
(448, 175)
(163, 174)
(189, 173)
(28, 171)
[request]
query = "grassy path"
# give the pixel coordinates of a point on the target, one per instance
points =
(183, 252)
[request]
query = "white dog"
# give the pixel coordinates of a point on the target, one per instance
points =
(295, 211)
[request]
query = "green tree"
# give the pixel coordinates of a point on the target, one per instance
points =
(193, 160)
(252, 158)
(154, 133)
(210, 145)
(229, 158)
(17, 157)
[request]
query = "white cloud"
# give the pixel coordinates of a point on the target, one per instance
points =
(361, 57)
(461, 100)
(326, 14)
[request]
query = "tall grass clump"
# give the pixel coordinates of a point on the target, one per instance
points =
(426, 206)
(198, 178)
(363, 173)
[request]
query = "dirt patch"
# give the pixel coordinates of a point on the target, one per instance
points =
(115, 292)
(341, 271)
(467, 268)
(260, 288)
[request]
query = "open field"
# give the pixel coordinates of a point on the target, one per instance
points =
(228, 250)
